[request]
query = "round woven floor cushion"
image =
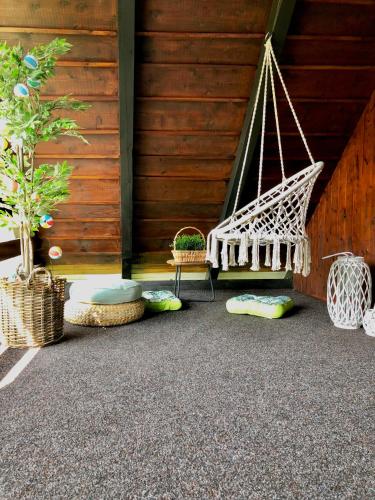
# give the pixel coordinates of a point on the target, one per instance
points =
(103, 290)
(80, 313)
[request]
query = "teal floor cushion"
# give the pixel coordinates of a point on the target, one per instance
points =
(161, 300)
(104, 290)
(257, 305)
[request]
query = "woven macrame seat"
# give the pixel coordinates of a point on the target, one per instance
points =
(276, 217)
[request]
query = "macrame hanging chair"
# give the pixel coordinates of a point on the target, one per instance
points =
(276, 217)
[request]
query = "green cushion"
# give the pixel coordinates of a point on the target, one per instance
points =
(104, 290)
(257, 305)
(161, 300)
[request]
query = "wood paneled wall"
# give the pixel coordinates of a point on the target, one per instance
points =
(88, 225)
(344, 219)
(195, 63)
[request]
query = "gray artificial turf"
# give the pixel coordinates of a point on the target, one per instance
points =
(195, 404)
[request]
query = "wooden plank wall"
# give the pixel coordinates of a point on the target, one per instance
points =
(328, 64)
(195, 62)
(87, 226)
(344, 219)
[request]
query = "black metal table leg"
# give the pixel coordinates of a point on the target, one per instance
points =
(175, 280)
(211, 283)
(178, 269)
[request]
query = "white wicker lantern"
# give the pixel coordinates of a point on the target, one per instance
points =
(348, 290)
(369, 322)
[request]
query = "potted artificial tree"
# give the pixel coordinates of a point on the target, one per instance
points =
(32, 302)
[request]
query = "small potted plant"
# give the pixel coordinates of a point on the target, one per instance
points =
(32, 302)
(189, 248)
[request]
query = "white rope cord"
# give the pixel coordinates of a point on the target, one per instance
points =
(277, 217)
(291, 105)
(276, 114)
(266, 59)
(249, 136)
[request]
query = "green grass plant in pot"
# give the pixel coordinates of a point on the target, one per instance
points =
(189, 248)
(32, 301)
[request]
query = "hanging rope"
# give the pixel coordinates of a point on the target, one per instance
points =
(264, 111)
(267, 67)
(249, 137)
(276, 217)
(291, 105)
(269, 48)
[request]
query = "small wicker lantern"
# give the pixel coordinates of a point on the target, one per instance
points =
(348, 290)
(369, 322)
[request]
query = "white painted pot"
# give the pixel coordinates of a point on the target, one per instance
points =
(348, 291)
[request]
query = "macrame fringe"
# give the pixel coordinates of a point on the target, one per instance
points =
(213, 253)
(276, 263)
(267, 261)
(243, 257)
(306, 257)
(232, 255)
(298, 257)
(224, 256)
(255, 256)
(288, 264)
(301, 262)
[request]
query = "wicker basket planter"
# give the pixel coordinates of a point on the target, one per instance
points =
(32, 311)
(188, 256)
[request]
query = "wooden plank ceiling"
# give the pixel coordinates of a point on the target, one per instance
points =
(328, 63)
(87, 226)
(195, 63)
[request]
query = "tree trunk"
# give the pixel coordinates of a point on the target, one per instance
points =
(26, 249)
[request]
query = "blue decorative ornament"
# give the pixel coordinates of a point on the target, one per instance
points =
(20, 90)
(34, 84)
(30, 61)
(46, 221)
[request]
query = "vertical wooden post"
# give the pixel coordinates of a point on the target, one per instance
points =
(126, 32)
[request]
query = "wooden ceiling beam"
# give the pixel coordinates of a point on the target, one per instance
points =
(277, 24)
(126, 30)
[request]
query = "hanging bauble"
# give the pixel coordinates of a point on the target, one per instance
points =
(30, 61)
(9, 184)
(46, 221)
(55, 252)
(348, 290)
(3, 126)
(35, 197)
(20, 90)
(34, 84)
(4, 143)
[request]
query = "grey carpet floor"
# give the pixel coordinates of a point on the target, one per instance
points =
(195, 404)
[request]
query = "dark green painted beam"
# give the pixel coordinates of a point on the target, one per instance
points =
(126, 32)
(278, 25)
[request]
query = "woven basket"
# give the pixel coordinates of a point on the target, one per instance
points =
(32, 310)
(188, 256)
(82, 313)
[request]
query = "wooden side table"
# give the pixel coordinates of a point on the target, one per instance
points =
(177, 279)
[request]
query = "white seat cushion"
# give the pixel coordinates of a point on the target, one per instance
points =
(103, 290)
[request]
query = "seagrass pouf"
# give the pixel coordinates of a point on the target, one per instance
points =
(104, 302)
(81, 313)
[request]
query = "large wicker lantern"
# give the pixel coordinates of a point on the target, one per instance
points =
(348, 290)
